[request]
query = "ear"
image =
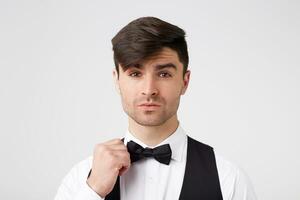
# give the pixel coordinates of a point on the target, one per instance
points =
(186, 80)
(116, 80)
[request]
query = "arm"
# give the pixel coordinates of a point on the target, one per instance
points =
(235, 184)
(243, 188)
(74, 185)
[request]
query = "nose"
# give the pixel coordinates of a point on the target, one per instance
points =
(149, 87)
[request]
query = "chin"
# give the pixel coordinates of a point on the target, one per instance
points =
(149, 124)
(149, 121)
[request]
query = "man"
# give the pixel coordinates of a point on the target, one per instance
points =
(155, 160)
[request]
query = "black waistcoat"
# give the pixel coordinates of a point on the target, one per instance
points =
(201, 180)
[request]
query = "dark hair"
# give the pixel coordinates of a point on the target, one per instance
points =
(145, 37)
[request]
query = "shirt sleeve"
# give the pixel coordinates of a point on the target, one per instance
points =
(235, 183)
(74, 186)
(243, 189)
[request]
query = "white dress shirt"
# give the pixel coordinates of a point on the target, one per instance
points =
(147, 179)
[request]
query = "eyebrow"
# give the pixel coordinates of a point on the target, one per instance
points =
(157, 67)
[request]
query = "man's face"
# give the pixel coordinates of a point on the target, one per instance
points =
(158, 83)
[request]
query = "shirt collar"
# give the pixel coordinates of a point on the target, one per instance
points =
(176, 140)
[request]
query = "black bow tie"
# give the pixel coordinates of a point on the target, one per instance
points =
(161, 153)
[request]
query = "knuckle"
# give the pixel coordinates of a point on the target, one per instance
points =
(118, 141)
(112, 161)
(110, 154)
(100, 147)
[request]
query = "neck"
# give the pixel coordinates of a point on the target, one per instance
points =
(153, 135)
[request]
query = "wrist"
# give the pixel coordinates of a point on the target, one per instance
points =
(95, 187)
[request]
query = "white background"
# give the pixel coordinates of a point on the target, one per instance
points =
(57, 98)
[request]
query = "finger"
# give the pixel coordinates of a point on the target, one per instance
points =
(123, 164)
(122, 157)
(123, 171)
(120, 153)
(117, 147)
(126, 166)
(113, 141)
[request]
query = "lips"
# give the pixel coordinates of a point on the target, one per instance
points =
(149, 104)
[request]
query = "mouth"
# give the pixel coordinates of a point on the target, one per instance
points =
(149, 106)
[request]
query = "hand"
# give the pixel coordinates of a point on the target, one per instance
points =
(110, 160)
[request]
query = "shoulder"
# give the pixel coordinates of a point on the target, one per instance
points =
(200, 146)
(234, 181)
(225, 167)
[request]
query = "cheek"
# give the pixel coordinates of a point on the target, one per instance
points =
(128, 95)
(172, 93)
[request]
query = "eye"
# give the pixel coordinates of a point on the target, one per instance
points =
(165, 74)
(134, 74)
